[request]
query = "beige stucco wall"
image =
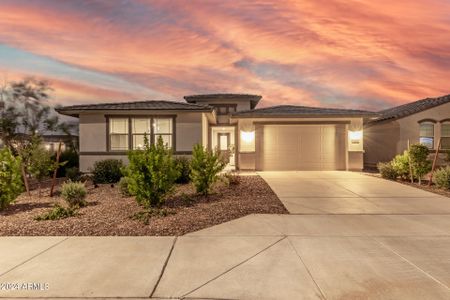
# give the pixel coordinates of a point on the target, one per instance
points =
(386, 139)
(247, 159)
(93, 135)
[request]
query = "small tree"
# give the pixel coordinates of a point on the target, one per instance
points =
(10, 178)
(152, 172)
(40, 165)
(421, 165)
(205, 168)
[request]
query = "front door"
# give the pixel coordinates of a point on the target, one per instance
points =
(224, 145)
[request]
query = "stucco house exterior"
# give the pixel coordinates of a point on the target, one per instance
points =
(425, 121)
(284, 137)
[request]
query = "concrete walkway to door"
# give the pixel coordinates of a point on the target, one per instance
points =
(337, 192)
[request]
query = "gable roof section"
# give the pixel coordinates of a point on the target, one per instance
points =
(75, 110)
(301, 111)
(411, 108)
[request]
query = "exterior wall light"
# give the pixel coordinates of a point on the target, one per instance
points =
(248, 136)
(355, 136)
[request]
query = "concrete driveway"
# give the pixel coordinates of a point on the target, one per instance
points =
(336, 192)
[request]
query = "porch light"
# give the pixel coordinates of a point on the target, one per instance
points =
(248, 136)
(355, 136)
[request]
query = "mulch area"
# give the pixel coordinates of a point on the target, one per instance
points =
(109, 214)
(424, 186)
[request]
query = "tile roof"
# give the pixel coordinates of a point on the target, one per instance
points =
(293, 110)
(411, 108)
(137, 105)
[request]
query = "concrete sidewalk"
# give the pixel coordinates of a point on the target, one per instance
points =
(255, 257)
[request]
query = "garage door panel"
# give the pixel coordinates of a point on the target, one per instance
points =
(302, 147)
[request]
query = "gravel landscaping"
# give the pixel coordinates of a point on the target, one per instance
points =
(108, 213)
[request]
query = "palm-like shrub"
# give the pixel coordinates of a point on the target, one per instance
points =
(10, 178)
(74, 193)
(205, 168)
(152, 173)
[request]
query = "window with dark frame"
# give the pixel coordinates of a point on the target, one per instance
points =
(224, 109)
(445, 136)
(129, 133)
(426, 135)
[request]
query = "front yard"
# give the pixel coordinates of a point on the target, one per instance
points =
(108, 213)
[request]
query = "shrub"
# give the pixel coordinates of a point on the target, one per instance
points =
(400, 163)
(124, 186)
(107, 171)
(420, 163)
(152, 172)
(10, 178)
(387, 171)
(74, 193)
(184, 167)
(205, 168)
(232, 178)
(442, 177)
(73, 174)
(41, 164)
(57, 212)
(70, 160)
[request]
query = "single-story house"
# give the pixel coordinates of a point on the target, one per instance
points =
(426, 121)
(284, 137)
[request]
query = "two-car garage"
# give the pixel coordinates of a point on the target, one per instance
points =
(300, 147)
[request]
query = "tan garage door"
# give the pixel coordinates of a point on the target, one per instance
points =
(301, 147)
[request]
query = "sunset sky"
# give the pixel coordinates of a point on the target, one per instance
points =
(354, 54)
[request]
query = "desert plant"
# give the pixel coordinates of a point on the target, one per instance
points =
(74, 193)
(124, 186)
(420, 163)
(40, 165)
(56, 213)
(442, 177)
(387, 171)
(184, 167)
(400, 163)
(10, 178)
(205, 168)
(107, 171)
(153, 172)
(232, 178)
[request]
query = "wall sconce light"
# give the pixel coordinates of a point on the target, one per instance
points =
(248, 136)
(355, 136)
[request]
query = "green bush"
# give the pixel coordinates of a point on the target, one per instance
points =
(400, 163)
(184, 167)
(152, 172)
(442, 177)
(10, 178)
(73, 174)
(124, 186)
(420, 163)
(205, 168)
(57, 212)
(387, 171)
(74, 193)
(107, 171)
(70, 160)
(41, 165)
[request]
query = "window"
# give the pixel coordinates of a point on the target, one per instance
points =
(445, 136)
(118, 134)
(427, 134)
(163, 128)
(224, 109)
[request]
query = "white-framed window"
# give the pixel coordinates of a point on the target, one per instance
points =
(163, 127)
(118, 134)
(445, 135)
(426, 135)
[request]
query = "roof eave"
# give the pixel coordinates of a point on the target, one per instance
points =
(258, 116)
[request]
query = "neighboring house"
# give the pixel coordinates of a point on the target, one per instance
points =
(425, 121)
(282, 137)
